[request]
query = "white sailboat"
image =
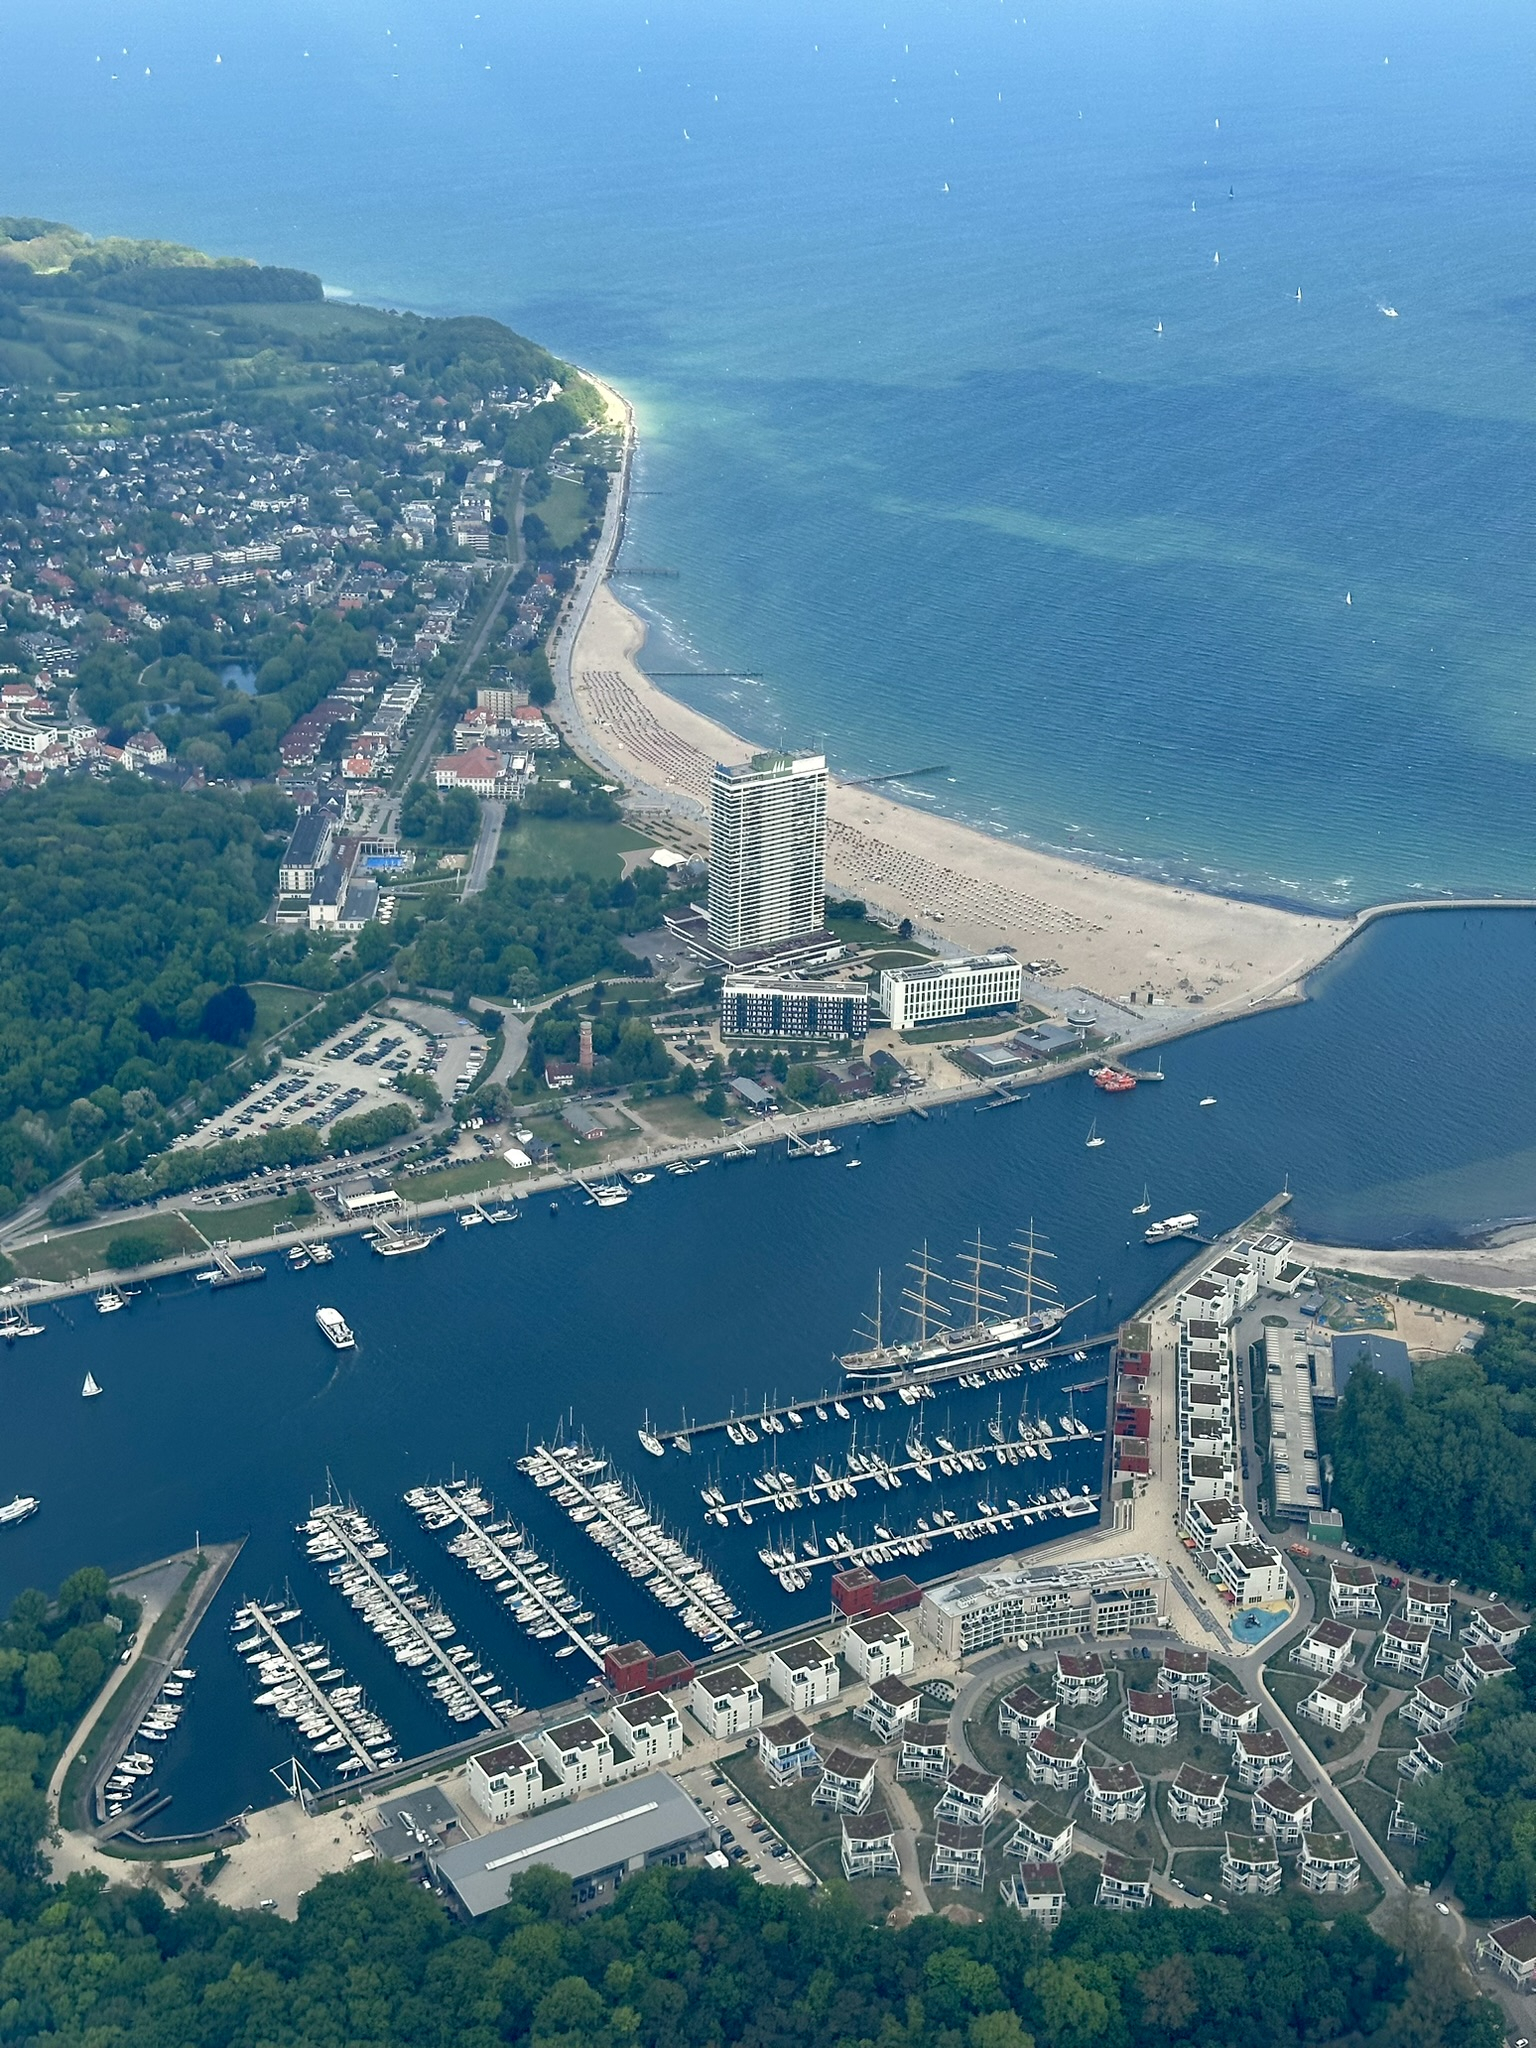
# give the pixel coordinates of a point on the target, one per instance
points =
(1094, 1139)
(90, 1390)
(1145, 1203)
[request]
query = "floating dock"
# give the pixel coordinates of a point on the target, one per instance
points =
(294, 1676)
(503, 1555)
(617, 1519)
(909, 1389)
(792, 1564)
(413, 1625)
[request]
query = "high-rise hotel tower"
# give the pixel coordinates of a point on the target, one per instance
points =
(767, 847)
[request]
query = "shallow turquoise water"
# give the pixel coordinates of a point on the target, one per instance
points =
(921, 455)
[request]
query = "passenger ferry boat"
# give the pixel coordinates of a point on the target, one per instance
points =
(1171, 1226)
(20, 1509)
(987, 1335)
(335, 1329)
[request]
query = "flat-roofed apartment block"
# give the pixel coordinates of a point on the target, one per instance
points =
(598, 1843)
(1038, 1603)
(1338, 1703)
(1237, 1274)
(1186, 1673)
(1116, 1793)
(892, 1706)
(648, 1728)
(506, 1782)
(1024, 1712)
(804, 1675)
(1511, 1949)
(1225, 1711)
(878, 1647)
(1250, 1867)
(1150, 1719)
(958, 1854)
(847, 1781)
(1497, 1624)
(1041, 1836)
(1403, 1646)
(830, 1010)
(1477, 1663)
(1281, 1810)
(1328, 1863)
(1429, 1605)
(1325, 1648)
(1259, 1754)
(1197, 1799)
(1036, 1890)
(785, 1750)
(942, 989)
(580, 1751)
(1125, 1883)
(1352, 1589)
(1435, 1706)
(1209, 1474)
(1428, 1757)
(970, 1795)
(1117, 1610)
(869, 1845)
(767, 850)
(1214, 1524)
(726, 1702)
(1055, 1758)
(1081, 1678)
(1290, 1375)
(922, 1759)
(1251, 1573)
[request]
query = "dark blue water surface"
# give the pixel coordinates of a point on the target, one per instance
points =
(885, 280)
(1396, 1101)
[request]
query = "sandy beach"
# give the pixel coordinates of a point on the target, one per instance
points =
(1115, 934)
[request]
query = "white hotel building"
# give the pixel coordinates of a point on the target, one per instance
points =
(767, 850)
(941, 989)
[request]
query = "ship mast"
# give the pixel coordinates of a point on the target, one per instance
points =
(1030, 1249)
(974, 1292)
(919, 1300)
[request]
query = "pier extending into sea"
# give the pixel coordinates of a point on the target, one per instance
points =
(386, 1606)
(276, 1649)
(503, 1553)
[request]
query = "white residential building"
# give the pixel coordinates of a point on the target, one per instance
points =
(726, 1702)
(1328, 1863)
(1037, 1891)
(1325, 1648)
(1023, 1713)
(1041, 1603)
(1116, 1793)
(1125, 1883)
(804, 1675)
(869, 1845)
(1250, 1867)
(767, 850)
(878, 1647)
(648, 1727)
(1403, 1646)
(580, 1753)
(941, 989)
(1338, 1703)
(506, 1783)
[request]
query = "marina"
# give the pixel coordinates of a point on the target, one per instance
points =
(299, 1683)
(413, 1625)
(793, 1561)
(390, 1241)
(614, 1517)
(502, 1555)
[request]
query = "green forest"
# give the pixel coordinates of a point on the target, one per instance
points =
(123, 909)
(524, 936)
(1445, 1480)
(1478, 1812)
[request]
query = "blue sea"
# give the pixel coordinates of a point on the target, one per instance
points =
(886, 282)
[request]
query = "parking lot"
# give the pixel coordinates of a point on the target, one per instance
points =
(352, 1073)
(744, 1835)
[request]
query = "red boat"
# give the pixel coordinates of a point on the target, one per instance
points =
(1113, 1080)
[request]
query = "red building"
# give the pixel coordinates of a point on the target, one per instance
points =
(633, 1667)
(859, 1592)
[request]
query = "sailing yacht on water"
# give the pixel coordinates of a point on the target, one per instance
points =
(1018, 1310)
(1093, 1139)
(1145, 1203)
(90, 1390)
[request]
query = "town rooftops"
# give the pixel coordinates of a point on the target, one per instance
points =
(1151, 1706)
(614, 1828)
(1025, 1701)
(1499, 1618)
(1226, 1699)
(873, 1826)
(1425, 1594)
(787, 1733)
(721, 1684)
(1199, 1784)
(1401, 1631)
(806, 1656)
(878, 1628)
(1517, 1939)
(1191, 1663)
(1329, 1848)
(1439, 1692)
(895, 1692)
(646, 1711)
(1089, 1665)
(1347, 1690)
(1127, 1869)
(1057, 1743)
(1284, 1798)
(1333, 1635)
(976, 1784)
(1116, 1777)
(1262, 1742)
(959, 1834)
(511, 1756)
(1041, 1821)
(582, 1733)
(848, 1763)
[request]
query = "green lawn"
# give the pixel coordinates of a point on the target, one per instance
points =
(564, 511)
(251, 1219)
(468, 1177)
(72, 1256)
(1290, 1687)
(278, 1004)
(548, 848)
(680, 1117)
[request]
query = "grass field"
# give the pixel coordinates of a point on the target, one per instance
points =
(680, 1117)
(250, 1220)
(469, 1178)
(80, 1252)
(564, 511)
(548, 848)
(278, 1004)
